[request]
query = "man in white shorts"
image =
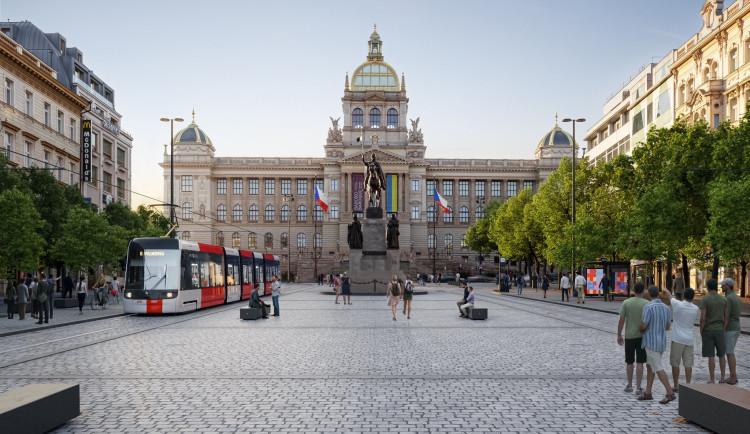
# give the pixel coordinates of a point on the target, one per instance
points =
(684, 314)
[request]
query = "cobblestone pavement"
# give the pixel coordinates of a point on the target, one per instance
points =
(321, 367)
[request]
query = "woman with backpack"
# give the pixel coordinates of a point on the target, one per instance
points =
(408, 294)
(394, 294)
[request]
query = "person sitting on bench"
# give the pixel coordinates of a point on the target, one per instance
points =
(257, 303)
(469, 303)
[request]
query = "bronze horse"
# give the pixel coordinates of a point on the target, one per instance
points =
(374, 181)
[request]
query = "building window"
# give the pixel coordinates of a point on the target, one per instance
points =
(374, 118)
(221, 213)
(107, 148)
(733, 109)
(301, 213)
(392, 118)
(431, 241)
(448, 241)
(221, 186)
(448, 216)
(236, 240)
(120, 157)
(29, 103)
(252, 213)
(120, 189)
(107, 181)
(8, 143)
(479, 213)
(318, 183)
(270, 186)
(318, 213)
(187, 210)
(286, 186)
(268, 240)
(733, 60)
(186, 181)
(430, 187)
(47, 114)
(73, 130)
(73, 178)
(463, 188)
(285, 213)
(512, 188)
(479, 188)
(415, 213)
(301, 186)
(431, 217)
(463, 242)
(447, 188)
(237, 186)
(318, 240)
(185, 236)
(529, 185)
(94, 176)
(414, 185)
(301, 240)
(496, 188)
(252, 186)
(357, 118)
(220, 239)
(46, 159)
(9, 91)
(60, 122)
(463, 215)
(284, 239)
(252, 241)
(334, 211)
(94, 142)
(270, 213)
(237, 213)
(335, 184)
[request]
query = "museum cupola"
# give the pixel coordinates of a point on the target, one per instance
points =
(376, 45)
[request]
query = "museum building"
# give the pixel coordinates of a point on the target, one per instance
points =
(268, 204)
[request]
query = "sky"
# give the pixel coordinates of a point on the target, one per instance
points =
(485, 77)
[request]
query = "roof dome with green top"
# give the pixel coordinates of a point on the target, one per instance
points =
(375, 74)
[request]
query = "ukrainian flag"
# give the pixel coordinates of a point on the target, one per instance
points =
(392, 193)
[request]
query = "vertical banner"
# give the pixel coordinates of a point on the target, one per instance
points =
(391, 193)
(358, 193)
(593, 277)
(86, 150)
(621, 282)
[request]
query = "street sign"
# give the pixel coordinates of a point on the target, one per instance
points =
(502, 260)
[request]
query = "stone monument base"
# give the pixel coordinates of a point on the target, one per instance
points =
(364, 269)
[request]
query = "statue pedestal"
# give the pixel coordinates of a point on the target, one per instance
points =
(373, 235)
(374, 262)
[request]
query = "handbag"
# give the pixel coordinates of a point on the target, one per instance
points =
(575, 293)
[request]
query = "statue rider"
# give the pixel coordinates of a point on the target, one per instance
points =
(374, 180)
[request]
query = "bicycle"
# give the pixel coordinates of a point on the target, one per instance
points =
(100, 299)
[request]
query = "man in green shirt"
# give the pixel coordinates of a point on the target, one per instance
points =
(631, 312)
(732, 331)
(714, 317)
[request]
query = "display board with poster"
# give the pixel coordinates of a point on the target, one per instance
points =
(593, 277)
(621, 282)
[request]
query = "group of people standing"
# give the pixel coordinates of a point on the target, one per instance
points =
(38, 291)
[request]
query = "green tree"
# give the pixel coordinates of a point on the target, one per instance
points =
(516, 231)
(20, 245)
(477, 236)
(156, 224)
(729, 227)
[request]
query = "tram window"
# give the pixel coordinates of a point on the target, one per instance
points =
(246, 275)
(205, 274)
(218, 270)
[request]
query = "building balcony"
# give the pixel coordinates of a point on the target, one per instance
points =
(77, 81)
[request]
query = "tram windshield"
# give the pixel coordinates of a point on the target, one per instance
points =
(153, 269)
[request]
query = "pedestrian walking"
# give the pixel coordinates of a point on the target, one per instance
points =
(565, 287)
(580, 283)
(678, 286)
(469, 303)
(81, 290)
(519, 282)
(34, 304)
(604, 285)
(43, 294)
(545, 284)
(631, 313)
(276, 292)
(22, 298)
(684, 315)
(654, 325)
(714, 318)
(408, 295)
(10, 298)
(732, 332)
(67, 285)
(346, 289)
(394, 294)
(116, 288)
(337, 286)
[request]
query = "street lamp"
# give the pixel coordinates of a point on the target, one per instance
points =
(575, 151)
(171, 167)
(289, 198)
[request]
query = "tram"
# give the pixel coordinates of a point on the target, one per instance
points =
(166, 275)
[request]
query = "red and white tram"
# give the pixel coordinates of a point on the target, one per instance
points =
(165, 275)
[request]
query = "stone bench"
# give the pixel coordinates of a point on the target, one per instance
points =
(477, 313)
(716, 407)
(38, 408)
(65, 302)
(251, 313)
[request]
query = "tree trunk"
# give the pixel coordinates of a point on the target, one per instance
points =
(685, 270)
(669, 276)
(743, 276)
(715, 267)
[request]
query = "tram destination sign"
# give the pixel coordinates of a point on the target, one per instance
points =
(86, 150)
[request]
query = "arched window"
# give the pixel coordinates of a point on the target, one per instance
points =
(374, 118)
(747, 50)
(221, 213)
(301, 213)
(448, 241)
(448, 216)
(284, 239)
(463, 215)
(318, 213)
(479, 213)
(285, 213)
(252, 213)
(237, 213)
(187, 210)
(270, 213)
(318, 240)
(682, 96)
(715, 71)
(733, 60)
(252, 241)
(268, 240)
(301, 240)
(392, 118)
(690, 88)
(431, 241)
(357, 118)
(220, 239)
(706, 74)
(431, 217)
(236, 241)
(185, 236)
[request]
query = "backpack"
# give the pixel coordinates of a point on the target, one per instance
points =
(409, 286)
(394, 289)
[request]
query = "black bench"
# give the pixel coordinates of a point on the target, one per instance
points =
(717, 407)
(60, 302)
(477, 313)
(38, 407)
(251, 313)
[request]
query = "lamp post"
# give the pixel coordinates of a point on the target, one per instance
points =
(575, 151)
(289, 198)
(171, 168)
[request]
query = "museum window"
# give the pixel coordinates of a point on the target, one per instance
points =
(285, 213)
(221, 186)
(318, 213)
(529, 185)
(374, 118)
(463, 242)
(414, 185)
(220, 239)
(270, 213)
(316, 183)
(431, 216)
(301, 213)
(318, 240)
(463, 188)
(335, 184)
(221, 213)
(187, 210)
(415, 213)
(270, 186)
(496, 188)
(236, 240)
(237, 186)
(512, 188)
(9, 91)
(431, 187)
(334, 211)
(252, 186)
(252, 241)
(301, 186)
(268, 240)
(392, 118)
(284, 239)
(448, 241)
(286, 186)
(733, 60)
(447, 188)
(186, 182)
(357, 118)
(431, 241)
(448, 216)
(301, 240)
(185, 236)
(252, 213)
(479, 188)
(463, 215)
(237, 213)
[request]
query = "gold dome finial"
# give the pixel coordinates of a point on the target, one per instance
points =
(556, 119)
(375, 27)
(193, 114)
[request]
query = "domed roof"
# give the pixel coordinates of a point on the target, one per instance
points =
(556, 137)
(375, 74)
(192, 134)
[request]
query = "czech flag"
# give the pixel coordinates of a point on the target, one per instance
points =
(321, 198)
(442, 202)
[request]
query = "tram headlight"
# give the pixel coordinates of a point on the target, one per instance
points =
(128, 294)
(169, 295)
